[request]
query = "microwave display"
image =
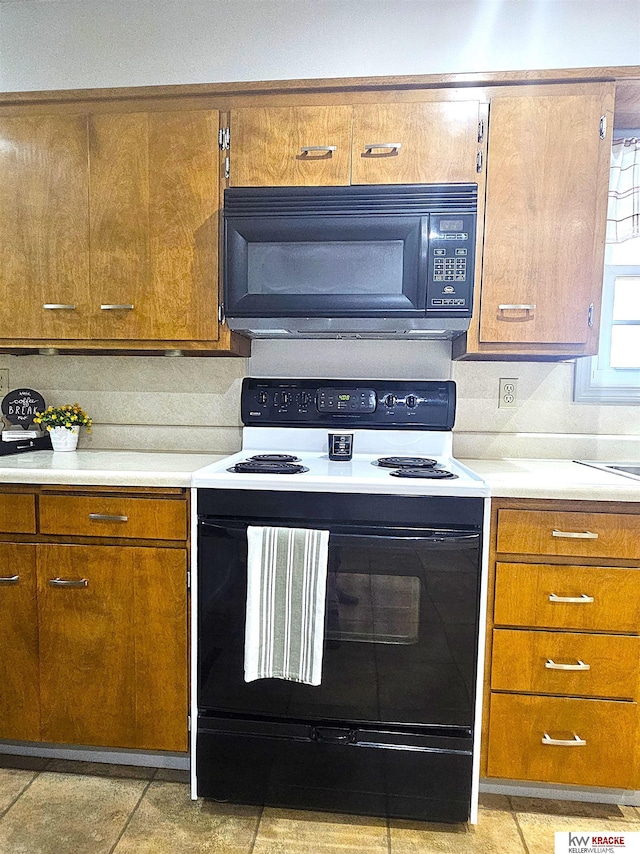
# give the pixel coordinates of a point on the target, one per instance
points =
(450, 225)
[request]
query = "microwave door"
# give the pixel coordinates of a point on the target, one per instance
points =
(326, 265)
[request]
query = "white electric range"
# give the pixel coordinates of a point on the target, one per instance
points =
(393, 728)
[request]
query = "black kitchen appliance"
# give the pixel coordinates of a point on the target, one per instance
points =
(362, 261)
(392, 728)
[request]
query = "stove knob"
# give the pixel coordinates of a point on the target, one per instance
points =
(411, 401)
(263, 398)
(286, 397)
(390, 400)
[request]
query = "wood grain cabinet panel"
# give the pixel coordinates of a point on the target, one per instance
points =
(154, 204)
(87, 644)
(601, 599)
(113, 665)
(267, 146)
(438, 142)
(544, 532)
(565, 663)
(19, 687)
(545, 218)
(113, 516)
(520, 724)
(17, 513)
(44, 227)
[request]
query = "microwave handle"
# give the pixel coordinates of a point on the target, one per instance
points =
(423, 264)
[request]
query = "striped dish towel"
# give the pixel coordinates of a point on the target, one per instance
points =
(286, 585)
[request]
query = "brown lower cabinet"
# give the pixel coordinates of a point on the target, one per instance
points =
(563, 644)
(94, 633)
(19, 689)
(112, 622)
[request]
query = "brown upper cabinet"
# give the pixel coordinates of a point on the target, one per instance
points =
(44, 227)
(544, 226)
(109, 230)
(390, 143)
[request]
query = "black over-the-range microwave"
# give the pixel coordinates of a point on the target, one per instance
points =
(362, 261)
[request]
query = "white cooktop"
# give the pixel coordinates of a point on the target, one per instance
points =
(359, 475)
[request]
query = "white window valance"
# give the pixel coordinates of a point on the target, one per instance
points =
(623, 214)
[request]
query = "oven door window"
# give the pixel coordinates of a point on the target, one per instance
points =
(400, 633)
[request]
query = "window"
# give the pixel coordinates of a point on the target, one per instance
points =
(613, 376)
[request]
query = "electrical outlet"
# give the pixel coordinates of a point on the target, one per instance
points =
(508, 393)
(4, 381)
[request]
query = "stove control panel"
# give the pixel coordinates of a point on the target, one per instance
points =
(391, 404)
(342, 400)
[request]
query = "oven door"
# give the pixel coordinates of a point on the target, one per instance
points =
(401, 629)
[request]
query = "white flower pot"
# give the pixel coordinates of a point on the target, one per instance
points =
(64, 438)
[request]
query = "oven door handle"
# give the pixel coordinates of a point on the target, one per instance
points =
(389, 535)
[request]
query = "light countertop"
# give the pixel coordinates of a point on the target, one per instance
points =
(508, 478)
(522, 478)
(103, 468)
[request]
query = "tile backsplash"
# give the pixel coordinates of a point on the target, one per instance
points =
(193, 404)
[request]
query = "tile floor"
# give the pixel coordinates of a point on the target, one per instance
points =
(61, 807)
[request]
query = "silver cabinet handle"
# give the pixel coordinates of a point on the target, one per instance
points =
(68, 582)
(55, 306)
(328, 149)
(550, 664)
(114, 307)
(583, 599)
(576, 741)
(517, 307)
(106, 517)
(575, 535)
(10, 579)
(389, 147)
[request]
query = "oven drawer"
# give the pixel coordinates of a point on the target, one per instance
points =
(596, 738)
(565, 663)
(364, 771)
(601, 599)
(544, 532)
(17, 513)
(113, 516)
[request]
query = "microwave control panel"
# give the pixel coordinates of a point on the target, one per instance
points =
(451, 264)
(415, 404)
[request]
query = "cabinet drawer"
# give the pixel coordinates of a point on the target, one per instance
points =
(565, 663)
(112, 516)
(544, 532)
(17, 513)
(604, 599)
(603, 755)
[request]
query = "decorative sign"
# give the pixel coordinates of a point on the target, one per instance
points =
(21, 405)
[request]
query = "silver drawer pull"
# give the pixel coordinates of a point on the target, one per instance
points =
(114, 307)
(517, 307)
(583, 599)
(550, 664)
(388, 147)
(55, 306)
(575, 535)
(68, 582)
(327, 149)
(576, 741)
(9, 579)
(106, 517)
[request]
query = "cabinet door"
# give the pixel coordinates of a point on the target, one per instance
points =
(113, 666)
(87, 644)
(44, 227)
(436, 141)
(290, 146)
(545, 217)
(19, 689)
(154, 204)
